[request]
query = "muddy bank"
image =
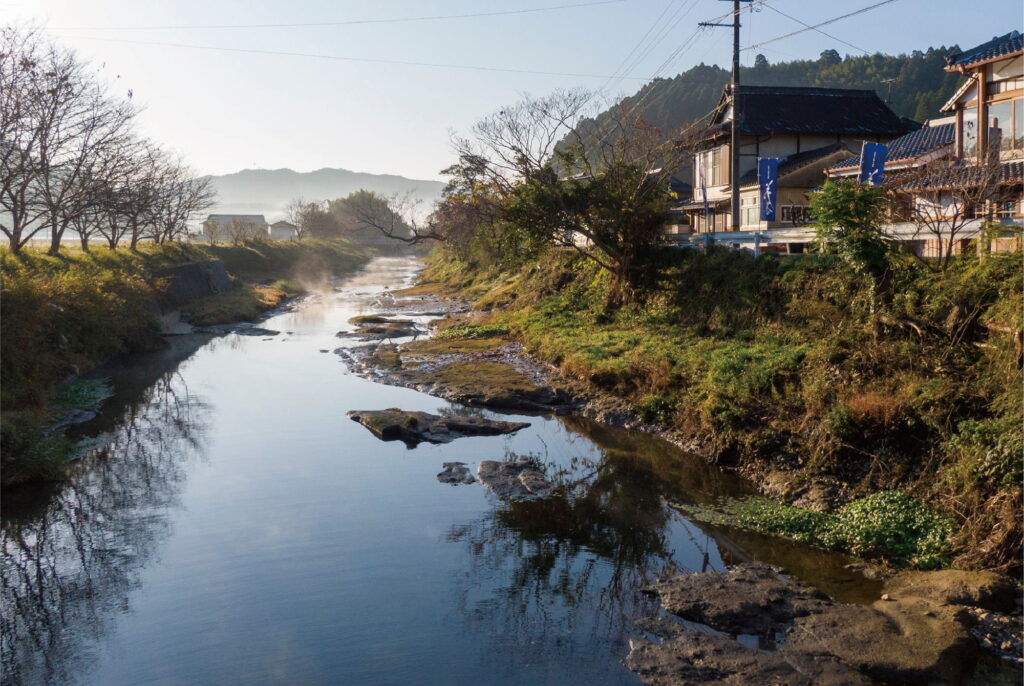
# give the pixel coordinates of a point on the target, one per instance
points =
(752, 624)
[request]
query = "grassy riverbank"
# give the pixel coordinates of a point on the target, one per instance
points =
(785, 369)
(62, 315)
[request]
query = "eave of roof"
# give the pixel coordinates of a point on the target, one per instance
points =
(999, 47)
(909, 147)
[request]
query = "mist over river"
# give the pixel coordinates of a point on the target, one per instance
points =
(239, 529)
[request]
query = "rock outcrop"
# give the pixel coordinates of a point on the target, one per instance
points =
(414, 428)
(455, 473)
(919, 632)
(514, 480)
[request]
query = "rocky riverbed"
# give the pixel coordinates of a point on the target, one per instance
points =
(926, 628)
(918, 632)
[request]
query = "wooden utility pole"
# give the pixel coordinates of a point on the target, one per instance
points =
(734, 134)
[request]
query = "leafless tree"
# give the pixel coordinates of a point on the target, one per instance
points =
(945, 199)
(297, 212)
(394, 217)
(602, 192)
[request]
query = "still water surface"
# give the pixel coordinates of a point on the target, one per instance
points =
(241, 530)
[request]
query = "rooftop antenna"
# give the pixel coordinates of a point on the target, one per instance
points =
(888, 93)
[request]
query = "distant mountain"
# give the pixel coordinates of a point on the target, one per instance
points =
(267, 191)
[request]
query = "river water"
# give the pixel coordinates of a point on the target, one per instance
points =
(239, 529)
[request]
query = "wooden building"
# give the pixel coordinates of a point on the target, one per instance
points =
(807, 129)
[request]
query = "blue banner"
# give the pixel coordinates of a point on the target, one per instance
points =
(768, 183)
(872, 163)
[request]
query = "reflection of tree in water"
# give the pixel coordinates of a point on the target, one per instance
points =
(69, 567)
(567, 568)
(563, 575)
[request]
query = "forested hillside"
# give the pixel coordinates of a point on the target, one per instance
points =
(920, 87)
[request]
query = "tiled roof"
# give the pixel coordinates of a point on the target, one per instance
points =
(251, 218)
(783, 109)
(796, 161)
(910, 146)
(1012, 42)
(968, 175)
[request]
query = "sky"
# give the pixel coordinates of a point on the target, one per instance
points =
(225, 110)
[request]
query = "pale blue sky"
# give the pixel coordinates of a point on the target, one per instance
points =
(226, 111)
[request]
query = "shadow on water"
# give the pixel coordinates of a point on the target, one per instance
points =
(72, 553)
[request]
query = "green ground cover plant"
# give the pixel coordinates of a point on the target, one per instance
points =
(797, 363)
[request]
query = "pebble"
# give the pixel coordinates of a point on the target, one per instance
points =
(886, 596)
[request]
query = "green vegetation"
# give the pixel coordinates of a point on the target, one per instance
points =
(63, 315)
(887, 525)
(244, 303)
(470, 331)
(794, 363)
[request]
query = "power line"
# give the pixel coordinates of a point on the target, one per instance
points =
(816, 26)
(440, 65)
(829, 35)
(350, 22)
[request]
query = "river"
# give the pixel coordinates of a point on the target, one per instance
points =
(239, 529)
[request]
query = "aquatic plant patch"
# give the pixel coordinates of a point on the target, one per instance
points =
(887, 525)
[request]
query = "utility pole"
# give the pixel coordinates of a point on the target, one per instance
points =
(734, 134)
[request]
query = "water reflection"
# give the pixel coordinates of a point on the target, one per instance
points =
(68, 570)
(571, 568)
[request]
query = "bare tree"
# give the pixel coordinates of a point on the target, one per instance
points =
(297, 212)
(58, 124)
(395, 217)
(946, 199)
(601, 193)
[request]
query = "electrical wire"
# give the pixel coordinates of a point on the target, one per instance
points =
(829, 35)
(816, 26)
(350, 22)
(371, 60)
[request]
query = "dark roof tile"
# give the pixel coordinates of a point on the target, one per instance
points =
(784, 109)
(914, 144)
(997, 47)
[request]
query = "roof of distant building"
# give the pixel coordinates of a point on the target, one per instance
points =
(786, 109)
(251, 218)
(283, 224)
(910, 146)
(1000, 46)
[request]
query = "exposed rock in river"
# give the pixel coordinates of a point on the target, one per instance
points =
(515, 480)
(455, 473)
(920, 634)
(415, 427)
(375, 326)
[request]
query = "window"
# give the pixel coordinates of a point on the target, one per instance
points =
(969, 134)
(997, 87)
(1000, 126)
(1008, 209)
(796, 215)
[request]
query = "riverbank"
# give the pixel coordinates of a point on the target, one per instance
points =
(64, 315)
(772, 367)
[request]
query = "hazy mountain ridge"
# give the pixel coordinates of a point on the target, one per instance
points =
(267, 191)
